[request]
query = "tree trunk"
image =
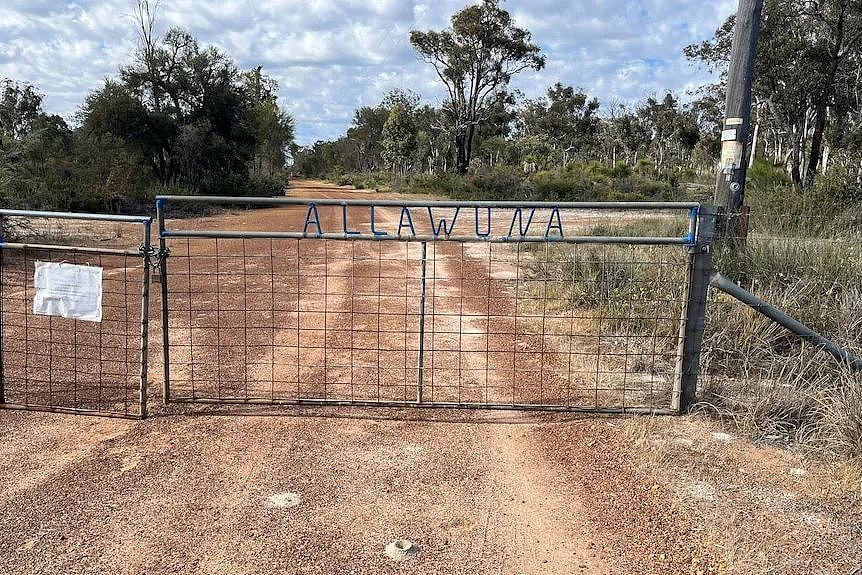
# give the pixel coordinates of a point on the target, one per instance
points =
(753, 153)
(796, 159)
(816, 144)
(468, 148)
(462, 160)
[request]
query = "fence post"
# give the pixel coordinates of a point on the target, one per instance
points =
(423, 280)
(693, 318)
(146, 250)
(163, 277)
(2, 295)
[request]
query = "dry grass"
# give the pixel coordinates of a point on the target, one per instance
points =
(756, 375)
(86, 233)
(841, 413)
(761, 377)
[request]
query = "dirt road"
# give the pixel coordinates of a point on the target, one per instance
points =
(190, 490)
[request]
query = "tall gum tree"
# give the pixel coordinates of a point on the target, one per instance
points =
(475, 59)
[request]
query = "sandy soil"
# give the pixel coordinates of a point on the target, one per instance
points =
(477, 492)
(187, 491)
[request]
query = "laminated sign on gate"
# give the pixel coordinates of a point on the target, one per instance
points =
(68, 290)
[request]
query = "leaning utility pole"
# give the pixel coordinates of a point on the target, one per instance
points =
(730, 181)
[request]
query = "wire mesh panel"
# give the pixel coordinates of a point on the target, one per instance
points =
(416, 316)
(286, 320)
(554, 325)
(57, 363)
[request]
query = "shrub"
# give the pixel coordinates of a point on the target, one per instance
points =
(500, 183)
(264, 186)
(755, 373)
(446, 184)
(569, 185)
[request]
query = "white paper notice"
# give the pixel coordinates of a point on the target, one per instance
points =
(68, 290)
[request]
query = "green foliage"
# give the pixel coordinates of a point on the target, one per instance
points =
(568, 118)
(20, 109)
(500, 183)
(179, 117)
(445, 184)
(595, 182)
(362, 180)
(806, 82)
(830, 208)
(598, 182)
(475, 59)
(398, 139)
(571, 184)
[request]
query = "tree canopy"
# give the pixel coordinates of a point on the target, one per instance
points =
(182, 115)
(475, 59)
(179, 116)
(807, 80)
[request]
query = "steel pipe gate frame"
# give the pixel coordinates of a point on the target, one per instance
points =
(697, 242)
(699, 275)
(144, 252)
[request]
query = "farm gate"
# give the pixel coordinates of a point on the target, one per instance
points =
(53, 355)
(521, 305)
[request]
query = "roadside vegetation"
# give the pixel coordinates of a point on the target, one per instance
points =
(182, 118)
(179, 118)
(804, 248)
(805, 258)
(755, 375)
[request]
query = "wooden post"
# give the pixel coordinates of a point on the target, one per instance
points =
(693, 319)
(730, 180)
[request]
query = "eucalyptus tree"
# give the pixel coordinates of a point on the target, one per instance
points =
(475, 59)
(568, 119)
(398, 139)
(20, 109)
(196, 119)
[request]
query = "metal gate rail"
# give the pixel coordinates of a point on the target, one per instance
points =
(239, 311)
(50, 363)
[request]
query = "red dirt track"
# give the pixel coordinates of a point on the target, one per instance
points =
(186, 491)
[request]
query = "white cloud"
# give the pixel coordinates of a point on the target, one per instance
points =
(331, 56)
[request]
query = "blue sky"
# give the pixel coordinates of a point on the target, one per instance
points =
(332, 56)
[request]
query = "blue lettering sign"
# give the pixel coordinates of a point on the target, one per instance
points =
(437, 227)
(442, 224)
(551, 225)
(406, 212)
(312, 209)
(488, 232)
(346, 231)
(521, 228)
(375, 231)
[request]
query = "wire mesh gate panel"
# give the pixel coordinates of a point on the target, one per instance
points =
(54, 363)
(502, 305)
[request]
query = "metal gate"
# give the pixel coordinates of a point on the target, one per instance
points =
(565, 306)
(56, 363)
